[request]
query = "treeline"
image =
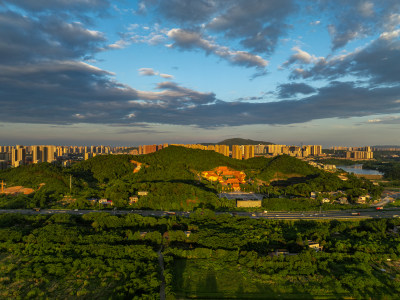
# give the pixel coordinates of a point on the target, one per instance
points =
(66, 257)
(358, 260)
(99, 255)
(390, 170)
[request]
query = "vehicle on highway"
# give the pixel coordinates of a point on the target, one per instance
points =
(355, 213)
(36, 209)
(171, 213)
(379, 208)
(265, 211)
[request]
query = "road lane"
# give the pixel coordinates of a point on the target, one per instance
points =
(327, 215)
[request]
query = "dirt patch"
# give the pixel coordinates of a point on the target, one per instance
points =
(14, 190)
(138, 166)
(262, 182)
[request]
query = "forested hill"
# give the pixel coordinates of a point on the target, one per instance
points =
(183, 161)
(172, 163)
(239, 141)
(172, 178)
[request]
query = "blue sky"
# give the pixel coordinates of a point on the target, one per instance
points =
(182, 71)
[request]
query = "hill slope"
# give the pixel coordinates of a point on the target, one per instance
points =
(239, 141)
(170, 176)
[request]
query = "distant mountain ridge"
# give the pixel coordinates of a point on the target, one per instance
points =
(386, 146)
(239, 141)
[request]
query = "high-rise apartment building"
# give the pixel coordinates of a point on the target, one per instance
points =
(60, 151)
(316, 150)
(223, 149)
(36, 155)
(296, 151)
(14, 157)
(22, 154)
(18, 156)
(340, 148)
(359, 153)
(43, 153)
(51, 153)
(146, 149)
(248, 151)
(236, 152)
(260, 149)
(274, 150)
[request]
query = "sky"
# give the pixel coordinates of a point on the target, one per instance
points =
(125, 73)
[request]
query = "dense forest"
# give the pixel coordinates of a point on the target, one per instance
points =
(172, 179)
(391, 170)
(100, 255)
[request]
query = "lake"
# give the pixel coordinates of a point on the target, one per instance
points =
(357, 169)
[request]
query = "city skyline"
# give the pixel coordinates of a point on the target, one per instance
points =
(146, 72)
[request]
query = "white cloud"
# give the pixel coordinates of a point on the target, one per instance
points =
(78, 116)
(151, 72)
(385, 120)
(132, 27)
(390, 35)
(147, 72)
(120, 44)
(188, 40)
(168, 76)
(302, 57)
(374, 121)
(156, 39)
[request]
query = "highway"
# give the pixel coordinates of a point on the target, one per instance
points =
(337, 215)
